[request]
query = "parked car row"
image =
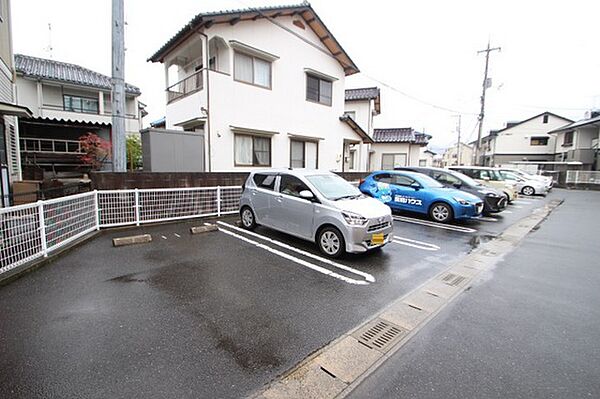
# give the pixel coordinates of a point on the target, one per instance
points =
(322, 207)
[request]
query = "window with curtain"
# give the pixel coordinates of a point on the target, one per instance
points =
(318, 90)
(253, 70)
(303, 154)
(252, 150)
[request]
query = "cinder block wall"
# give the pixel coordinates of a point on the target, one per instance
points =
(129, 180)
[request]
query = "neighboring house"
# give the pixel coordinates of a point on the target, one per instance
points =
(67, 101)
(362, 105)
(9, 110)
(394, 147)
(453, 157)
(578, 141)
(427, 158)
(527, 140)
(262, 88)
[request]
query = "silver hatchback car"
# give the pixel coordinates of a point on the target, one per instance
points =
(318, 206)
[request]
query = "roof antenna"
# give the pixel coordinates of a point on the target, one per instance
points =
(49, 48)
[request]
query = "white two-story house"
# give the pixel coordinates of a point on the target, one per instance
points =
(262, 88)
(527, 140)
(67, 101)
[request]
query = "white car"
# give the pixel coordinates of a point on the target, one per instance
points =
(525, 186)
(547, 180)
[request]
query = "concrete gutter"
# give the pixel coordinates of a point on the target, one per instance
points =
(334, 371)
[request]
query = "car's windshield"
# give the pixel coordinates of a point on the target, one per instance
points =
(465, 179)
(429, 182)
(333, 187)
(511, 176)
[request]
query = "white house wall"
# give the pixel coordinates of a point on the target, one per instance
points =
(516, 140)
(283, 108)
(412, 151)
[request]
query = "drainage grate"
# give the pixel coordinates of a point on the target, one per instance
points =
(453, 279)
(379, 335)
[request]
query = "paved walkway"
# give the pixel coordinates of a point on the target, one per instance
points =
(531, 329)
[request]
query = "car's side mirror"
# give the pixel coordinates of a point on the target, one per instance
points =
(306, 194)
(486, 178)
(416, 186)
(457, 184)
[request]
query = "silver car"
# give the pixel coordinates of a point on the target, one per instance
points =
(318, 206)
(525, 185)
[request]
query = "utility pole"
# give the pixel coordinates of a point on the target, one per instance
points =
(117, 97)
(459, 116)
(486, 85)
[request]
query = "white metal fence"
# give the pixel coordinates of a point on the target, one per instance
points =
(34, 230)
(582, 177)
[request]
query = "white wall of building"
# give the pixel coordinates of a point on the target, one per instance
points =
(282, 109)
(412, 151)
(517, 140)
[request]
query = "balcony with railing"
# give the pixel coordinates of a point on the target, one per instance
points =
(186, 86)
(50, 146)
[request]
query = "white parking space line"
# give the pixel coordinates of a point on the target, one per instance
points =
(369, 278)
(521, 202)
(486, 219)
(415, 244)
(163, 237)
(451, 227)
(516, 206)
(177, 235)
(505, 211)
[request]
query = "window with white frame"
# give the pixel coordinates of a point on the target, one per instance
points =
(318, 90)
(303, 154)
(251, 69)
(391, 161)
(252, 150)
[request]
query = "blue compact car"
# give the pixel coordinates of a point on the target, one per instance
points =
(416, 192)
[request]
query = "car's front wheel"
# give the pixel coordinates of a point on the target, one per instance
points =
(248, 219)
(331, 242)
(441, 212)
(528, 190)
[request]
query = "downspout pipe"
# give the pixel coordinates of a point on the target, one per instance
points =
(205, 66)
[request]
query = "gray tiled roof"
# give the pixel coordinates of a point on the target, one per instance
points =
(43, 68)
(400, 135)
(366, 93)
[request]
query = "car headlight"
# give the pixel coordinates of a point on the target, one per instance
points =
(354, 219)
(462, 201)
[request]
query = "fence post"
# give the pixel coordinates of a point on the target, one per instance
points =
(97, 208)
(137, 206)
(218, 200)
(42, 228)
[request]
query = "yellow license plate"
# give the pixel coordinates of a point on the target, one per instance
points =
(377, 239)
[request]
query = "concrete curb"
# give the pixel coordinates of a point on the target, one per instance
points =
(335, 370)
(203, 229)
(131, 240)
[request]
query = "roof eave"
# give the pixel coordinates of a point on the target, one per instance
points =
(201, 21)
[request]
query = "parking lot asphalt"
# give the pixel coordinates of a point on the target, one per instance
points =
(211, 315)
(528, 329)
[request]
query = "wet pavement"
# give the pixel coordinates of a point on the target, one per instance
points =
(529, 329)
(205, 315)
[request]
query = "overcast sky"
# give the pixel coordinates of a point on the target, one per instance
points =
(425, 50)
